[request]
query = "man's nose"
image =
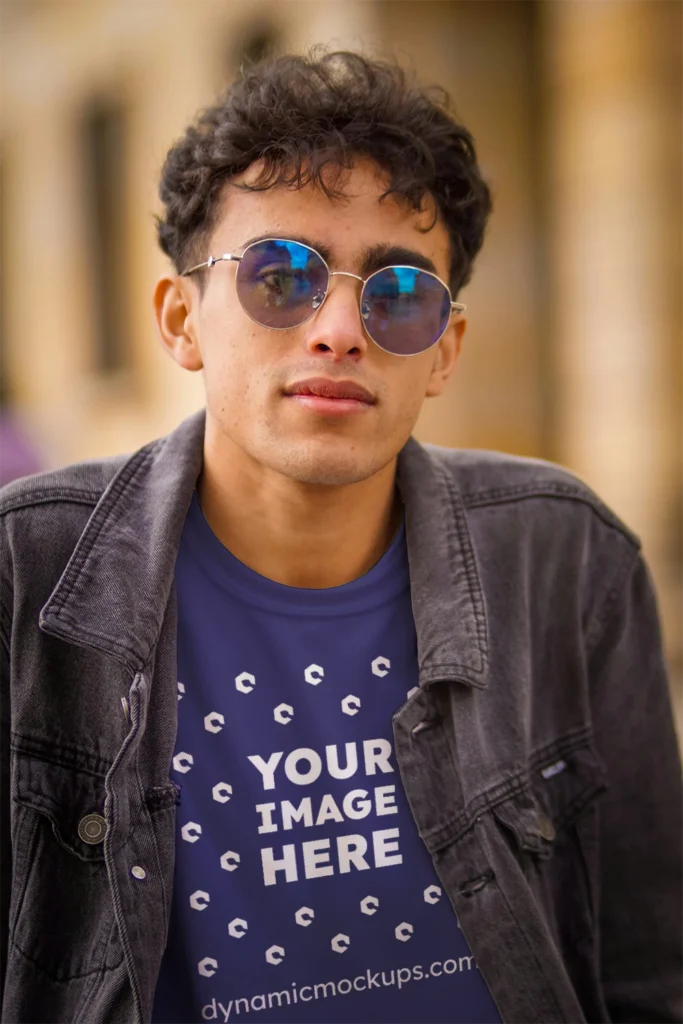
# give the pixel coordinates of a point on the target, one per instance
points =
(337, 327)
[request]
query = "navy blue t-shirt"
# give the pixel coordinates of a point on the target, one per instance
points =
(302, 890)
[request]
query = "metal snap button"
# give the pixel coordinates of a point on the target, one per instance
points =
(138, 872)
(92, 828)
(546, 828)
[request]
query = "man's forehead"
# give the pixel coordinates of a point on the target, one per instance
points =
(362, 222)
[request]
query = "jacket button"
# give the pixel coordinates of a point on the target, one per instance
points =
(92, 828)
(546, 828)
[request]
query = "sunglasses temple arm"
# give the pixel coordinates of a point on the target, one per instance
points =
(210, 262)
(458, 307)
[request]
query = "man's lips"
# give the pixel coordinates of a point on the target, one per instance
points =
(323, 387)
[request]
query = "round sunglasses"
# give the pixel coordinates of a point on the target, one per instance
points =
(281, 284)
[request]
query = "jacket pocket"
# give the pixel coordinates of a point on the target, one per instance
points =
(552, 826)
(62, 916)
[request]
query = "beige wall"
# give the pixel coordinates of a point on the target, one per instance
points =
(481, 53)
(164, 60)
(613, 77)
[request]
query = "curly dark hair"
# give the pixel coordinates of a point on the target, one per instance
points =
(304, 116)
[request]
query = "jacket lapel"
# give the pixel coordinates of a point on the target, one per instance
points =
(113, 594)
(447, 599)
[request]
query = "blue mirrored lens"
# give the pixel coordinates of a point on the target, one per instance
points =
(405, 310)
(280, 284)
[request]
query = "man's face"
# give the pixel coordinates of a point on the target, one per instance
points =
(250, 371)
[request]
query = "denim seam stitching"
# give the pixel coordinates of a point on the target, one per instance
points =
(450, 667)
(16, 911)
(50, 974)
(458, 522)
(5, 628)
(484, 802)
(575, 739)
(111, 804)
(24, 747)
(496, 795)
(45, 497)
(603, 615)
(103, 969)
(563, 492)
(145, 811)
(110, 645)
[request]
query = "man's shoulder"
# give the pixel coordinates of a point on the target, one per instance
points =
(487, 478)
(42, 517)
(81, 483)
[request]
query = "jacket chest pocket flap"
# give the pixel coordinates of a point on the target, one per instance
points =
(562, 786)
(59, 871)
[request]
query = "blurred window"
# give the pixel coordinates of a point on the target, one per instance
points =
(104, 145)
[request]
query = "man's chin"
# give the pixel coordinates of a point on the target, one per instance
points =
(328, 466)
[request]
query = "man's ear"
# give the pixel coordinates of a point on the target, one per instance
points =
(176, 302)
(446, 356)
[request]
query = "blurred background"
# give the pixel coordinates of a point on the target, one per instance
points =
(573, 351)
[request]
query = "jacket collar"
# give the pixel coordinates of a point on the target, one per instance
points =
(446, 592)
(114, 592)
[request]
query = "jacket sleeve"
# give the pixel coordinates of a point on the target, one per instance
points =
(641, 828)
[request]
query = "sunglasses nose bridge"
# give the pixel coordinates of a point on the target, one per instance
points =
(346, 273)
(356, 277)
(341, 327)
(343, 273)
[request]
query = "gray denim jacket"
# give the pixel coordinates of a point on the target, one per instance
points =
(538, 755)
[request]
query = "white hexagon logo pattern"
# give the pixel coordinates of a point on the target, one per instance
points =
(314, 674)
(381, 666)
(340, 943)
(237, 927)
(207, 967)
(403, 931)
(369, 905)
(222, 792)
(214, 722)
(350, 705)
(191, 832)
(283, 713)
(230, 860)
(182, 762)
(304, 916)
(199, 900)
(245, 682)
(432, 894)
(275, 954)
(181, 690)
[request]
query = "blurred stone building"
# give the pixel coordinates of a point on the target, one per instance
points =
(573, 350)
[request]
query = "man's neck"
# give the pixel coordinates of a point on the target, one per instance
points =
(298, 534)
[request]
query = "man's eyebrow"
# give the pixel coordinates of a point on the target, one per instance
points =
(375, 257)
(312, 243)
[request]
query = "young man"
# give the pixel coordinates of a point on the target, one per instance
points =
(301, 719)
